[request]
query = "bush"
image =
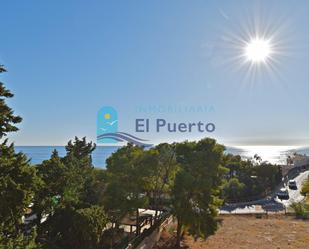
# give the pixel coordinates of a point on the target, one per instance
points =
(300, 210)
(305, 189)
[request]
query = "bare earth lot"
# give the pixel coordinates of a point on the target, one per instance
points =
(249, 232)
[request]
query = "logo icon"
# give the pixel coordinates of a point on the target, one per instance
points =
(107, 123)
(107, 129)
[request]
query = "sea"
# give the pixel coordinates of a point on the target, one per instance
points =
(272, 154)
(38, 154)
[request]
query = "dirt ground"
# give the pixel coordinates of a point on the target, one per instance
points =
(249, 232)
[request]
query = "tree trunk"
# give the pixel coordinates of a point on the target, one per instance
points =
(155, 206)
(38, 219)
(179, 234)
(137, 222)
(112, 238)
(156, 215)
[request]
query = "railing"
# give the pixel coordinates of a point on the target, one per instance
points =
(248, 199)
(147, 232)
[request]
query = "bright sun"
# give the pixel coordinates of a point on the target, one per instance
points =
(257, 50)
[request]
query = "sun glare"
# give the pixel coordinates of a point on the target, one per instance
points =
(258, 50)
(254, 47)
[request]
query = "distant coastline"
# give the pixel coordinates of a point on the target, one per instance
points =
(273, 154)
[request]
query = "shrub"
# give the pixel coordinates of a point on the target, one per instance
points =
(300, 210)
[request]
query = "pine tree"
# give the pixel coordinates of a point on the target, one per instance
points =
(195, 195)
(7, 118)
(17, 182)
(67, 198)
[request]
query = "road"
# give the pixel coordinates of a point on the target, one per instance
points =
(295, 195)
(272, 204)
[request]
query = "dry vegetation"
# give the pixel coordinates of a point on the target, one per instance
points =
(249, 232)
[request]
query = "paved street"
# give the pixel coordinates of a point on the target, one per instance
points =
(270, 204)
(295, 195)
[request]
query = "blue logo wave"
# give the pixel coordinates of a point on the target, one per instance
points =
(124, 137)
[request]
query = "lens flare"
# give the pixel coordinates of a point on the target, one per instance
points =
(258, 50)
(254, 47)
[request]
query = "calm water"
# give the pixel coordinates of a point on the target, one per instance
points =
(37, 154)
(273, 154)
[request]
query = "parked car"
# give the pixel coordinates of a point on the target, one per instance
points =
(292, 184)
(283, 194)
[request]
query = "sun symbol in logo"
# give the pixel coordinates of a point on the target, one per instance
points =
(107, 116)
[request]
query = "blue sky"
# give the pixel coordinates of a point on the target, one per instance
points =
(67, 59)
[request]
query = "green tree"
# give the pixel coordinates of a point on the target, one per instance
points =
(126, 185)
(19, 240)
(75, 228)
(96, 187)
(7, 118)
(78, 172)
(18, 182)
(162, 165)
(195, 195)
(54, 181)
(233, 189)
(253, 180)
(268, 176)
(67, 198)
(81, 151)
(89, 224)
(305, 189)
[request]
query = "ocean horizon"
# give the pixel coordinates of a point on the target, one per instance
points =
(37, 154)
(273, 154)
